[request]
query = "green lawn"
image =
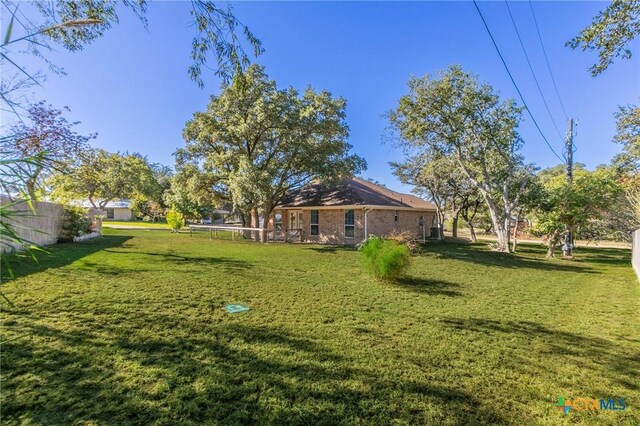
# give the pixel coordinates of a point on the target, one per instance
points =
(138, 223)
(129, 329)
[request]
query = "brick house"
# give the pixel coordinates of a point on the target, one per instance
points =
(346, 212)
(113, 210)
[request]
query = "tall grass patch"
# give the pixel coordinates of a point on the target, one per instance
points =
(386, 259)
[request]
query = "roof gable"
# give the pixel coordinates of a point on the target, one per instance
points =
(352, 192)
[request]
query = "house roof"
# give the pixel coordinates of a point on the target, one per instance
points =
(352, 192)
(117, 204)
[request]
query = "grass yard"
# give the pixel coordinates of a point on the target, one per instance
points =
(129, 329)
(136, 223)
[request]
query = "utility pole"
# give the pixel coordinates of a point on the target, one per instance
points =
(569, 149)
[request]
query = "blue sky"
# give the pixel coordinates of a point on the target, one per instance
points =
(132, 86)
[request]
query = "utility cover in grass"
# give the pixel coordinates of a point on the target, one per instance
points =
(234, 309)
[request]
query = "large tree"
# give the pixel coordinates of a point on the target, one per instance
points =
(610, 33)
(194, 193)
(562, 207)
(255, 142)
(441, 181)
(100, 177)
(628, 161)
(457, 118)
(628, 136)
(153, 204)
(45, 130)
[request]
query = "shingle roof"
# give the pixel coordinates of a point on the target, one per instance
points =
(115, 204)
(352, 192)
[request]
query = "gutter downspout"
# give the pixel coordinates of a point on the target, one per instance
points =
(366, 209)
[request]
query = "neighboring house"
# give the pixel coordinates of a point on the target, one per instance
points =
(349, 211)
(113, 210)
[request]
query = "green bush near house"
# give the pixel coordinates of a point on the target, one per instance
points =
(74, 223)
(386, 259)
(175, 220)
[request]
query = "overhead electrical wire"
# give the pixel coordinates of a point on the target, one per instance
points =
(524, 50)
(546, 58)
(486, 26)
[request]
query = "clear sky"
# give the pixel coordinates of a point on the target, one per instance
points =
(132, 86)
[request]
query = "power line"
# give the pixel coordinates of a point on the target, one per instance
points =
(547, 60)
(524, 50)
(514, 82)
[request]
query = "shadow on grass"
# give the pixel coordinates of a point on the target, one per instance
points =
(60, 255)
(604, 256)
(430, 287)
(527, 256)
(332, 249)
(137, 372)
(173, 258)
(590, 353)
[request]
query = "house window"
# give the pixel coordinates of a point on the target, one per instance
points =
(292, 220)
(315, 222)
(277, 221)
(110, 214)
(349, 224)
(395, 216)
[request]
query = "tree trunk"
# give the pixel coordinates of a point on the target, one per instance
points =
(454, 226)
(245, 217)
(265, 224)
(440, 225)
(515, 231)
(472, 230)
(501, 228)
(255, 223)
(503, 239)
(552, 241)
(551, 248)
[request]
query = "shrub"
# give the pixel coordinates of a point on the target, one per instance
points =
(74, 223)
(386, 259)
(175, 220)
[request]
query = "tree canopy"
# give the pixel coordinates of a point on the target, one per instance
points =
(610, 33)
(74, 24)
(441, 181)
(45, 131)
(100, 177)
(255, 142)
(562, 206)
(455, 117)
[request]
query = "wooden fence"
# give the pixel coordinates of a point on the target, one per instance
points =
(635, 253)
(40, 225)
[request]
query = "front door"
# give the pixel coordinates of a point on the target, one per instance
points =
(295, 220)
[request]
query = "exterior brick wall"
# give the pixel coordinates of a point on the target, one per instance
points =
(383, 222)
(380, 223)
